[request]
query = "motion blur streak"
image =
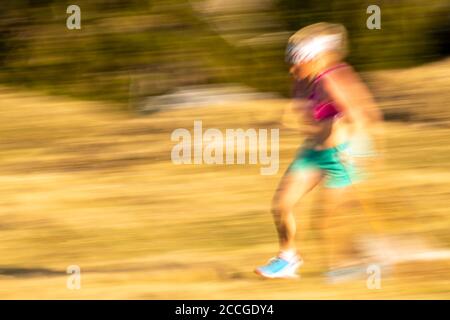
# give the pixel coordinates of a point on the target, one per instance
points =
(86, 177)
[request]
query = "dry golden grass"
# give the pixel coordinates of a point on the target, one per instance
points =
(80, 186)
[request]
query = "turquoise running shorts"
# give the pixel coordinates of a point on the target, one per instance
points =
(336, 173)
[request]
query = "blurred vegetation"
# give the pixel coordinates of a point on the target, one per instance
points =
(98, 189)
(164, 44)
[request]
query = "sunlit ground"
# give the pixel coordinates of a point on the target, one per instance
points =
(83, 187)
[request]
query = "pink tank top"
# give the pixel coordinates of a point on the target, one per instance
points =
(323, 109)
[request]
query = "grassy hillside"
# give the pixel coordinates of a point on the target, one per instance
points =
(82, 186)
(416, 94)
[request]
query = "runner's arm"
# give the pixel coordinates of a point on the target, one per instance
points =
(355, 99)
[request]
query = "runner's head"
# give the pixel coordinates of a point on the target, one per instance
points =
(315, 47)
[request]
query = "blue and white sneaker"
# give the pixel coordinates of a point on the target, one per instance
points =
(280, 268)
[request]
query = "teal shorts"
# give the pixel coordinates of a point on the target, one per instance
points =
(336, 173)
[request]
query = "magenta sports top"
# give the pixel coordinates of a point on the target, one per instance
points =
(322, 109)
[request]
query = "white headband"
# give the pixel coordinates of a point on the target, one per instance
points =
(308, 49)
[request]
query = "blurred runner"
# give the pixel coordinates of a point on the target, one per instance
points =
(337, 119)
